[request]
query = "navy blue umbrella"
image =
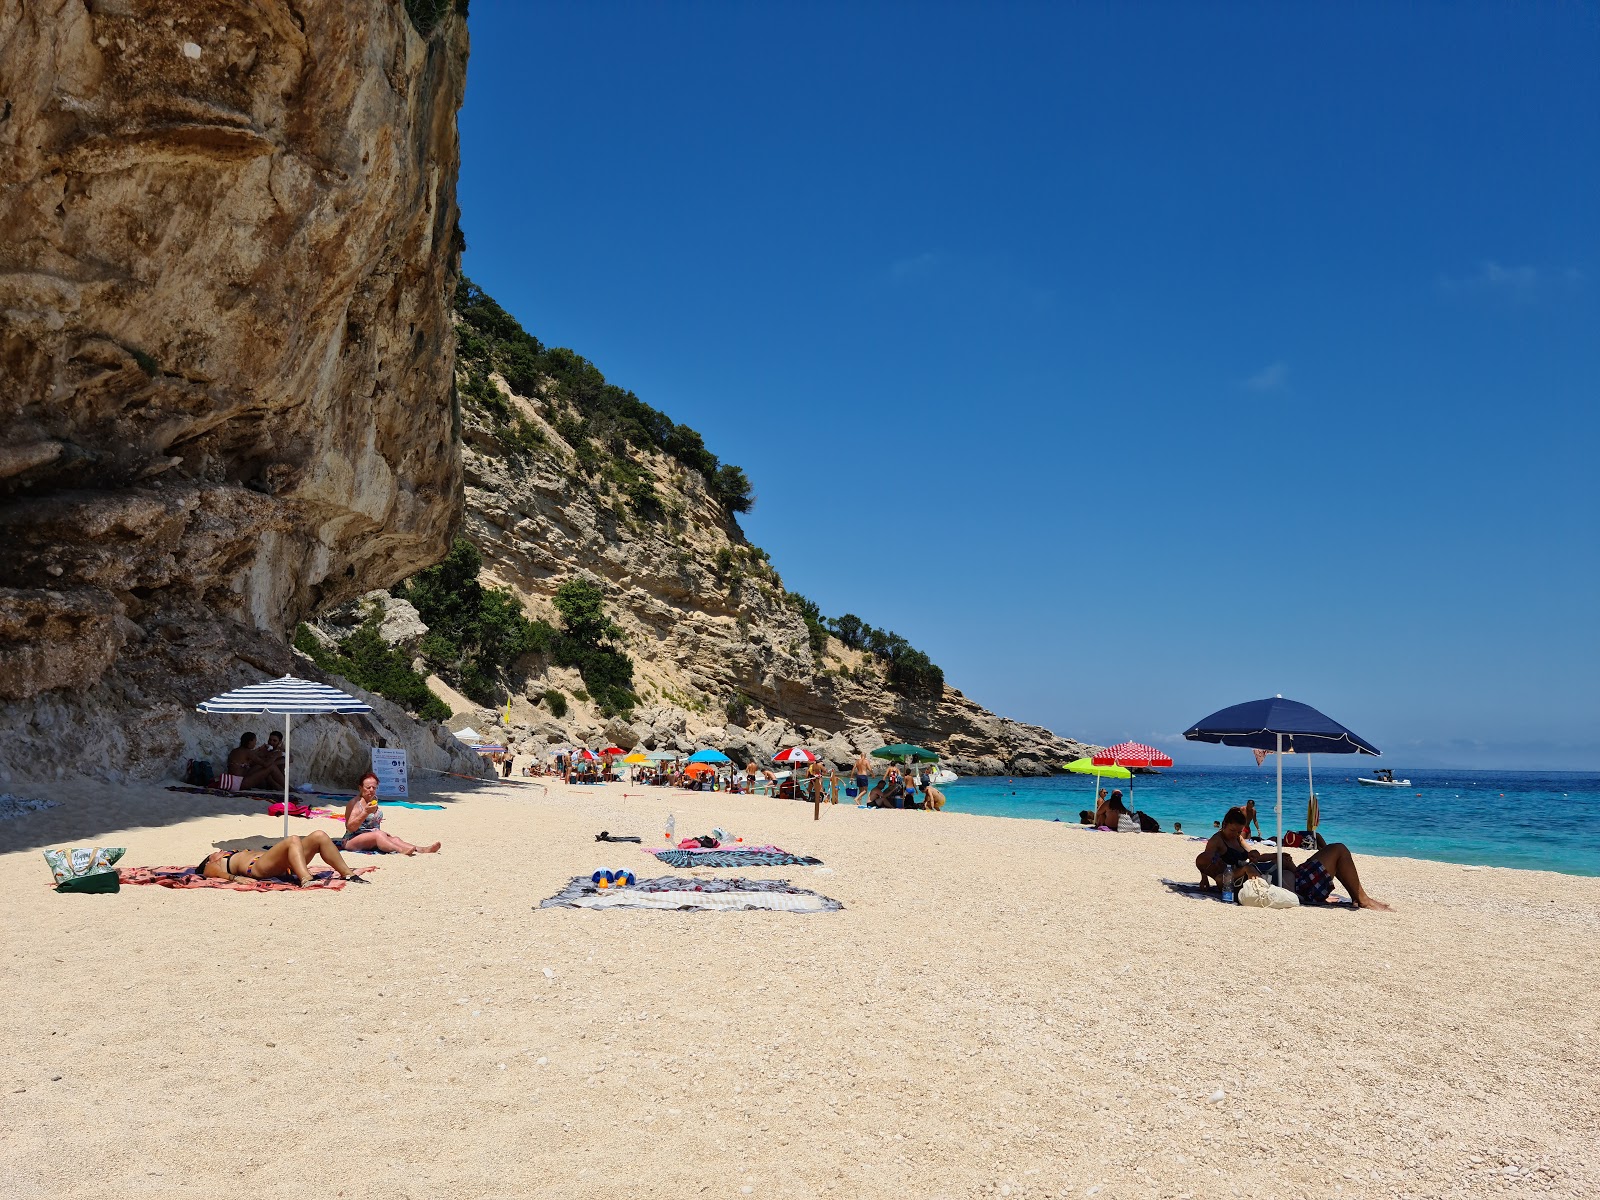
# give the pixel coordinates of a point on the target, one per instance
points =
(1282, 727)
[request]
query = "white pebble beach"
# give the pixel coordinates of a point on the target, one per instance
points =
(1003, 1007)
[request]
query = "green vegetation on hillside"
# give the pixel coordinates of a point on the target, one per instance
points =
(426, 14)
(585, 409)
(475, 634)
(910, 670)
(586, 642)
(367, 661)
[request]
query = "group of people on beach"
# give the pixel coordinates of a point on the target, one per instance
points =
(257, 766)
(292, 857)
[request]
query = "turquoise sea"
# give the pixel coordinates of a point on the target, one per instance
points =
(1549, 820)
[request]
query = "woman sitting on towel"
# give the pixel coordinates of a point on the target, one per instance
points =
(362, 818)
(289, 859)
(1112, 811)
(1311, 881)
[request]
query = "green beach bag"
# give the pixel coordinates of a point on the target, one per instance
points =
(90, 870)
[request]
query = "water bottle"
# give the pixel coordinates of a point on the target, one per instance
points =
(672, 827)
(1225, 881)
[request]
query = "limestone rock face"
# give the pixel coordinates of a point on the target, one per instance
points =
(225, 349)
(721, 656)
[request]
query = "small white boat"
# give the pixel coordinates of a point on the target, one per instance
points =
(943, 776)
(1385, 778)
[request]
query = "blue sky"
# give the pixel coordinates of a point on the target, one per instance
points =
(1131, 360)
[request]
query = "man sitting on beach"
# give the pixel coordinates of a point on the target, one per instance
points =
(1311, 881)
(245, 761)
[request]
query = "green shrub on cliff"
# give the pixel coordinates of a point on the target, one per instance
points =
(367, 661)
(491, 339)
(911, 672)
(475, 634)
(586, 641)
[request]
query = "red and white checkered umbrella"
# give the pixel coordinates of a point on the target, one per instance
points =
(794, 754)
(1132, 754)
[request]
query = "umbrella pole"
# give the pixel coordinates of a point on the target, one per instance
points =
(1280, 808)
(286, 720)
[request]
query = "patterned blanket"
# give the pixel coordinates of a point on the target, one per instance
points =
(677, 894)
(184, 877)
(755, 856)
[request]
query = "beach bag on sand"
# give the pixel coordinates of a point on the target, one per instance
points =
(1256, 892)
(1148, 823)
(198, 773)
(85, 869)
(1126, 824)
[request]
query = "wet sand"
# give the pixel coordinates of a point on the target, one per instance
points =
(1003, 1008)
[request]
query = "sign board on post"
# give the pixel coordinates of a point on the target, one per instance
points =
(390, 768)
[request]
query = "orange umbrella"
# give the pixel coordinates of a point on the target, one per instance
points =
(698, 769)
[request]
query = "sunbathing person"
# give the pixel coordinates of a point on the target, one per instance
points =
(289, 859)
(1312, 881)
(1112, 811)
(1227, 849)
(362, 818)
(245, 761)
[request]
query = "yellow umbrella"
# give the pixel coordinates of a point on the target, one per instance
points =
(637, 758)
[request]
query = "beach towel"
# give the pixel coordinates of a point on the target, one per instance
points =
(754, 856)
(185, 878)
(677, 894)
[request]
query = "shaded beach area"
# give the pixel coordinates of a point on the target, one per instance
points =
(1000, 1007)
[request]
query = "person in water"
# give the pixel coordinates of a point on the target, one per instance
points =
(1312, 881)
(289, 859)
(362, 818)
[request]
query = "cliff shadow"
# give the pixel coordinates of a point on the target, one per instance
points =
(85, 811)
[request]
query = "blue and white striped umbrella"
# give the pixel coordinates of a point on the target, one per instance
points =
(290, 696)
(286, 695)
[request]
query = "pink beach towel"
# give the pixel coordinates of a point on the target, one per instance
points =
(185, 878)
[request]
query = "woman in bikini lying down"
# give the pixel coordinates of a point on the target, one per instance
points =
(289, 859)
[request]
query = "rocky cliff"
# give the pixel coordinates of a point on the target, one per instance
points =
(722, 655)
(225, 347)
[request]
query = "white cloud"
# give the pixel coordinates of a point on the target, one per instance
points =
(1273, 377)
(1521, 283)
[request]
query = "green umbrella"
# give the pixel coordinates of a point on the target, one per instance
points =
(1085, 766)
(901, 750)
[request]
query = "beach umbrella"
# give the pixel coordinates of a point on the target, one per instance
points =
(901, 750)
(709, 756)
(664, 756)
(584, 755)
(613, 751)
(469, 734)
(486, 748)
(636, 759)
(794, 754)
(1087, 766)
(1132, 754)
(1280, 727)
(698, 768)
(291, 697)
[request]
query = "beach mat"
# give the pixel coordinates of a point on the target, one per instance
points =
(184, 878)
(676, 894)
(755, 856)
